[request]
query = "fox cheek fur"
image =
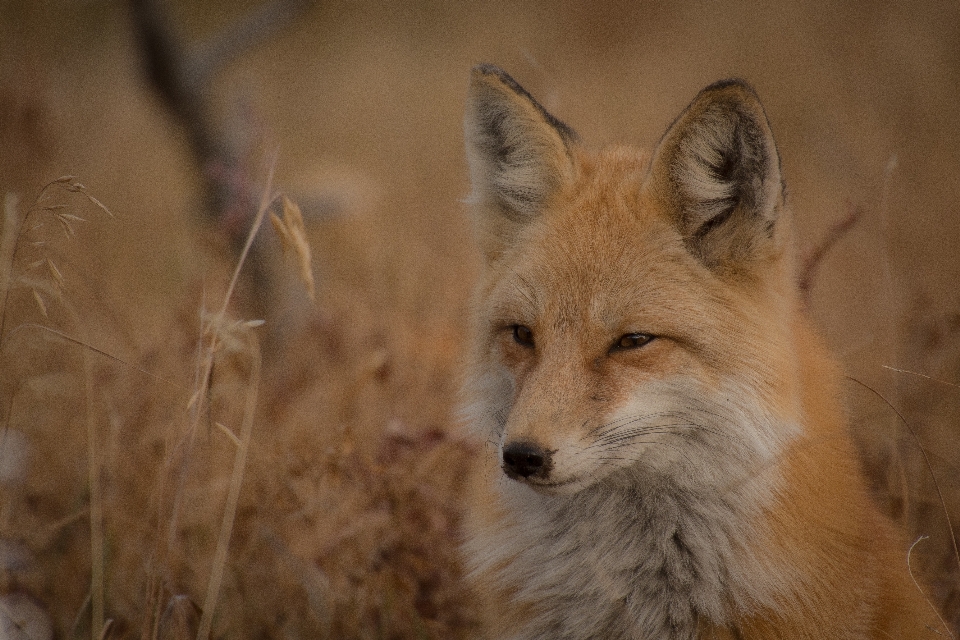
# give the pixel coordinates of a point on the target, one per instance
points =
(667, 456)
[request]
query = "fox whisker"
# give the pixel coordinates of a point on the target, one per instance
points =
(678, 428)
(619, 422)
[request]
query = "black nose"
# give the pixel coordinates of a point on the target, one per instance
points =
(525, 459)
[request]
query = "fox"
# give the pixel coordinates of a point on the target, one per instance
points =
(665, 451)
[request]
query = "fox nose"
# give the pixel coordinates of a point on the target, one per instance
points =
(525, 459)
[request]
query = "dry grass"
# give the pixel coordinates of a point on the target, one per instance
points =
(330, 508)
(907, 429)
(346, 531)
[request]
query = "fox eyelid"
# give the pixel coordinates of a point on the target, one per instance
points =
(630, 341)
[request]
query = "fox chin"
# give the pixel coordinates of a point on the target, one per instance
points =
(665, 450)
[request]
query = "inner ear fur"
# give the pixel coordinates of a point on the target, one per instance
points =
(519, 155)
(717, 172)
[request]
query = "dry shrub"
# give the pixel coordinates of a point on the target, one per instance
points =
(904, 411)
(907, 427)
(345, 522)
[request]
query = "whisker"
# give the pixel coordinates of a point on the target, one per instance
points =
(626, 420)
(613, 444)
(663, 429)
(619, 422)
(629, 436)
(626, 458)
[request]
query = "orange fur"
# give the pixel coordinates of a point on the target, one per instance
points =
(667, 455)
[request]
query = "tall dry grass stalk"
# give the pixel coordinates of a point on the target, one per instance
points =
(8, 246)
(221, 336)
(16, 227)
(94, 464)
(218, 334)
(236, 479)
(214, 331)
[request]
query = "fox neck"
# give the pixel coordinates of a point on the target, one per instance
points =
(674, 553)
(644, 555)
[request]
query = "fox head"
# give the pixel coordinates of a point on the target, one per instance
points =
(635, 311)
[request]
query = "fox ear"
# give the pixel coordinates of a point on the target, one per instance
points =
(519, 155)
(717, 172)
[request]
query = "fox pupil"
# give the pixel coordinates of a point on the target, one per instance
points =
(632, 341)
(523, 335)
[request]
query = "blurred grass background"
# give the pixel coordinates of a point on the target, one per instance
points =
(347, 520)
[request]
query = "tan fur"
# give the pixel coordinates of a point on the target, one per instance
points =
(701, 485)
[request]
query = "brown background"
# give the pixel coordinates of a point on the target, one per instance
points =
(362, 102)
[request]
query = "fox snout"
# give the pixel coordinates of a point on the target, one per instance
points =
(526, 460)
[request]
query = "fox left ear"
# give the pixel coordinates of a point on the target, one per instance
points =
(717, 171)
(519, 156)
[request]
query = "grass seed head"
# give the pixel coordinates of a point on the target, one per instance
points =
(39, 300)
(99, 204)
(55, 273)
(297, 238)
(285, 241)
(67, 229)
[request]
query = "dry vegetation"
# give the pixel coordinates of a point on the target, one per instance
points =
(141, 428)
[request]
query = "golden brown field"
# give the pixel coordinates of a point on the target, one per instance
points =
(126, 433)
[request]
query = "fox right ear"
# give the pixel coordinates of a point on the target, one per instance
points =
(717, 171)
(519, 155)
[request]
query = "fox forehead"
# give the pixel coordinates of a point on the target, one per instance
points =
(602, 254)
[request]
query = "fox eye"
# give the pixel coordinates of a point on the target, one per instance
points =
(631, 341)
(523, 335)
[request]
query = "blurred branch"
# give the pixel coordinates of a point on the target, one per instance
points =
(183, 79)
(244, 34)
(813, 259)
(168, 70)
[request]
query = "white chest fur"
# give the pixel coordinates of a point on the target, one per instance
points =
(630, 558)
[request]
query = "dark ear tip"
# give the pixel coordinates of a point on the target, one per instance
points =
(735, 83)
(490, 75)
(487, 69)
(485, 72)
(736, 89)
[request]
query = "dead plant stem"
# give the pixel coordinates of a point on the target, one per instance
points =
(266, 200)
(96, 506)
(236, 479)
(207, 356)
(926, 460)
(9, 233)
(936, 612)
